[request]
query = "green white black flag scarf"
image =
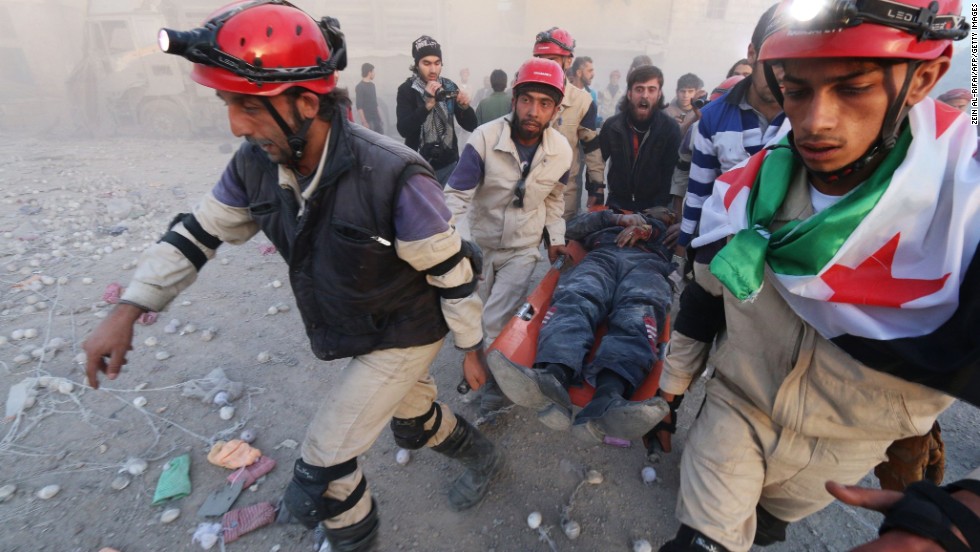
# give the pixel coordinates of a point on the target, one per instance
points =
(884, 262)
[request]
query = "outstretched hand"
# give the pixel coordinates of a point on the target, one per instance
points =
(106, 347)
(880, 501)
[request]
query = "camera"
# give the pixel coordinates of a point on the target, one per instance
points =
(699, 103)
(442, 94)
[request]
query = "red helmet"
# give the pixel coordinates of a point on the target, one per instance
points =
(543, 72)
(554, 42)
(261, 47)
(839, 29)
(725, 86)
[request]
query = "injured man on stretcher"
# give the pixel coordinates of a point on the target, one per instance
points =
(621, 281)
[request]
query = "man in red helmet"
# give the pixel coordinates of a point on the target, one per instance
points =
(851, 285)
(378, 271)
(576, 120)
(511, 179)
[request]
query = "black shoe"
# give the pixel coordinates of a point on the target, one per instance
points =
(614, 416)
(360, 537)
(468, 446)
(534, 389)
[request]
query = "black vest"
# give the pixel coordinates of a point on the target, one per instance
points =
(353, 292)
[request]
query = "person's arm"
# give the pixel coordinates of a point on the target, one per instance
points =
(682, 172)
(168, 267)
(586, 223)
(362, 119)
(553, 221)
(410, 112)
(915, 521)
(466, 177)
(465, 116)
(665, 168)
(588, 136)
(705, 168)
(425, 239)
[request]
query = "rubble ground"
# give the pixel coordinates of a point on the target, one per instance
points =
(74, 217)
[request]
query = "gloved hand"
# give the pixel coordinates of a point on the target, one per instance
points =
(914, 459)
(660, 434)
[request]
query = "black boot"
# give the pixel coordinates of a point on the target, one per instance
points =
(359, 537)
(478, 455)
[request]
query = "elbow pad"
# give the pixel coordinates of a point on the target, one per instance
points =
(188, 248)
(471, 251)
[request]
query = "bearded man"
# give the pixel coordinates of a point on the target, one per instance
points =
(640, 145)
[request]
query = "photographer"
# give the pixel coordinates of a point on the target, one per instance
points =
(426, 106)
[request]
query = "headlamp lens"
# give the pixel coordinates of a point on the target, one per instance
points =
(163, 39)
(806, 10)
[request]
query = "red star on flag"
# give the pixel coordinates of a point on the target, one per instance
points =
(872, 283)
(742, 177)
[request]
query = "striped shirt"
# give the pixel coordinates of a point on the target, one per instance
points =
(729, 131)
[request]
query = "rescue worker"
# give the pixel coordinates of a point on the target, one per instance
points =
(577, 119)
(851, 285)
(621, 281)
(378, 272)
(510, 180)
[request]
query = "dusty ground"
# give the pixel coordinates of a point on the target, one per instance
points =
(58, 203)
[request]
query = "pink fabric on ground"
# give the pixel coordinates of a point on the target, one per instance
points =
(250, 474)
(238, 522)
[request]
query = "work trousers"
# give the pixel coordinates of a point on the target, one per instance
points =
(736, 457)
(626, 287)
(506, 281)
(371, 389)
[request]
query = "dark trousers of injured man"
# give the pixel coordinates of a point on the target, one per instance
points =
(626, 287)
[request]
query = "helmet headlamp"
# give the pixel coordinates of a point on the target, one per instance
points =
(829, 15)
(200, 46)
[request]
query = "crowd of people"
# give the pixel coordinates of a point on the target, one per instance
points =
(828, 210)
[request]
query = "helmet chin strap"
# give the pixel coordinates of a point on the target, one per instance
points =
(297, 139)
(894, 117)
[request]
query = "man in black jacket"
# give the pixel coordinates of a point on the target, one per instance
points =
(378, 272)
(641, 144)
(427, 105)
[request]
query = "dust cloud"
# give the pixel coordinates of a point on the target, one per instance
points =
(91, 67)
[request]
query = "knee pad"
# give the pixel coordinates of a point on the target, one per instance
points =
(304, 496)
(769, 529)
(410, 433)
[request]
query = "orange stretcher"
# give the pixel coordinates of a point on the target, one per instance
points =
(519, 339)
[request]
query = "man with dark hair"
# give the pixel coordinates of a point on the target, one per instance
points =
(366, 98)
(427, 106)
(510, 181)
(497, 104)
(577, 120)
(681, 108)
(582, 73)
(379, 273)
(850, 287)
(730, 130)
(639, 144)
